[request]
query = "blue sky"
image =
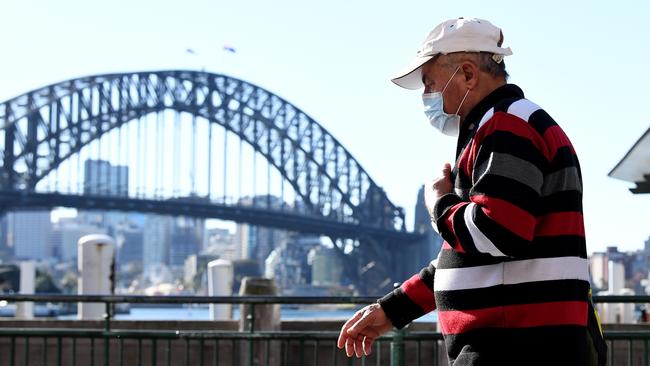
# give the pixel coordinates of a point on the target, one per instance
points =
(584, 62)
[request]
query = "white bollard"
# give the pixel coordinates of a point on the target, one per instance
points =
(96, 254)
(220, 280)
(25, 310)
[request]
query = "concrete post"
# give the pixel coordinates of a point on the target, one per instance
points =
(262, 318)
(220, 278)
(25, 310)
(96, 255)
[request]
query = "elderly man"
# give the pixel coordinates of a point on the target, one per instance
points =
(511, 283)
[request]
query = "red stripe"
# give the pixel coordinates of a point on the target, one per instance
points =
(561, 223)
(514, 316)
(450, 216)
(419, 293)
(556, 138)
(502, 121)
(508, 215)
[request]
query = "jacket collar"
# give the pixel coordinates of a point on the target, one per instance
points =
(468, 128)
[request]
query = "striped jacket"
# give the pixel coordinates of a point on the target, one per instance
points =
(511, 282)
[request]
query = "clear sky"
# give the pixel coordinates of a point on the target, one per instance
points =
(585, 62)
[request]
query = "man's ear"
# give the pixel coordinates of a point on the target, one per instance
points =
(471, 72)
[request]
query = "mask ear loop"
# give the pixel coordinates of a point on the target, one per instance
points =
(462, 101)
(449, 81)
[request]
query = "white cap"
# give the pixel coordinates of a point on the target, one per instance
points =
(455, 35)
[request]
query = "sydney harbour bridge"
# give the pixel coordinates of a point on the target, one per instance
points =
(196, 144)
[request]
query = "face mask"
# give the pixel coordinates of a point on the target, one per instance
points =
(448, 124)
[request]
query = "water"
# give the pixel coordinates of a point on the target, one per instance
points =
(202, 314)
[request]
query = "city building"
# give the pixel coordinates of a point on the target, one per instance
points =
(256, 242)
(598, 268)
(129, 239)
(65, 237)
(6, 253)
(186, 238)
(326, 266)
(28, 233)
(102, 178)
(288, 263)
(221, 243)
(195, 276)
(155, 240)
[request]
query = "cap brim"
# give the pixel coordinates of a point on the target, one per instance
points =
(410, 77)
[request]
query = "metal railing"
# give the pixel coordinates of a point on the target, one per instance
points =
(107, 344)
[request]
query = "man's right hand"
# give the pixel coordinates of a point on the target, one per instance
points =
(360, 331)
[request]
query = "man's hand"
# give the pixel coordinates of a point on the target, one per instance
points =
(438, 188)
(360, 331)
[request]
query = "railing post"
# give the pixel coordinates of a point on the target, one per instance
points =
(397, 344)
(397, 348)
(251, 330)
(107, 329)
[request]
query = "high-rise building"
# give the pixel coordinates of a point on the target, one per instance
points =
(65, 237)
(186, 239)
(257, 242)
(222, 243)
(288, 262)
(129, 240)
(326, 266)
(598, 268)
(101, 178)
(155, 243)
(5, 252)
(29, 234)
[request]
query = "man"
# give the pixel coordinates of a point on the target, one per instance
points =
(511, 283)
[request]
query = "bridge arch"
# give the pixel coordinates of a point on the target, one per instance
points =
(42, 128)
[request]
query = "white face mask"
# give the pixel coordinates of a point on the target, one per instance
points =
(448, 124)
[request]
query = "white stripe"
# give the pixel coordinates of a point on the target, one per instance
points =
(486, 117)
(523, 108)
(481, 242)
(510, 273)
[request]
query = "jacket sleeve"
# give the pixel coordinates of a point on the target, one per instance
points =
(505, 162)
(413, 299)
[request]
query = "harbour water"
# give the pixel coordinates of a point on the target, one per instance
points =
(202, 313)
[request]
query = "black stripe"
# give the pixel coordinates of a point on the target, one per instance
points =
(443, 205)
(551, 345)
(504, 104)
(507, 189)
(399, 308)
(462, 183)
(506, 241)
(564, 158)
(452, 259)
(461, 231)
(541, 121)
(558, 246)
(427, 275)
(564, 201)
(508, 143)
(503, 295)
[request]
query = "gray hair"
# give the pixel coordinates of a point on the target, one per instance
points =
(484, 60)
